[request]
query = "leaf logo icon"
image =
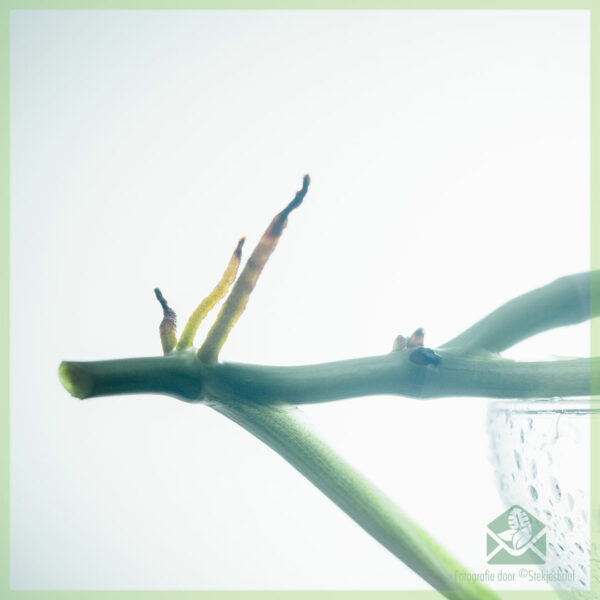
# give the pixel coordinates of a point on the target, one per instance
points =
(516, 537)
(520, 532)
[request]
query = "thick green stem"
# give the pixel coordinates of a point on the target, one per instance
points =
(182, 375)
(283, 429)
(482, 375)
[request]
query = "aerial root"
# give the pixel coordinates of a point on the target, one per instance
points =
(187, 337)
(238, 298)
(168, 325)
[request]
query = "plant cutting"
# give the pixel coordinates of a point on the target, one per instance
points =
(262, 399)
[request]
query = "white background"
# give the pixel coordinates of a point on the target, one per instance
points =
(449, 158)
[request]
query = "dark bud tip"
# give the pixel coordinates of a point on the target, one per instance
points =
(296, 202)
(425, 356)
(168, 312)
(160, 298)
(238, 248)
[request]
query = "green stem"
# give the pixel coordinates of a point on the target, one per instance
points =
(177, 374)
(183, 376)
(484, 375)
(283, 429)
(565, 301)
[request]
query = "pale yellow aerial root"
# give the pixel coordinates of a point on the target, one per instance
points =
(236, 302)
(187, 337)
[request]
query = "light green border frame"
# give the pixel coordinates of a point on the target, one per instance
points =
(592, 5)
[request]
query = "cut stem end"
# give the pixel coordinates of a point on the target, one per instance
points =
(78, 383)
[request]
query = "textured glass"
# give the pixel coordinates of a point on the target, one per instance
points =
(540, 451)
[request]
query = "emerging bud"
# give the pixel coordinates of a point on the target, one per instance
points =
(168, 325)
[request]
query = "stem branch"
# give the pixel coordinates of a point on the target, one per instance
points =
(284, 430)
(565, 301)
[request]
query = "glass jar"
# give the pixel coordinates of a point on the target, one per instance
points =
(540, 451)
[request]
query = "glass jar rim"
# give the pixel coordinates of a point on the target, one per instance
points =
(572, 406)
